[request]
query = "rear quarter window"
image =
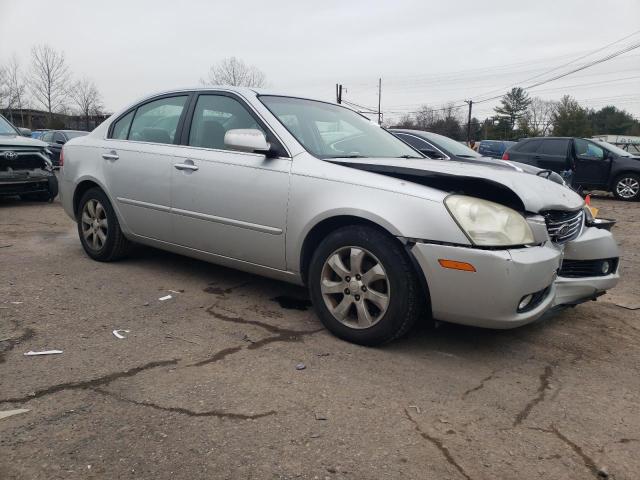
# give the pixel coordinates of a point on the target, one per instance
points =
(528, 146)
(554, 146)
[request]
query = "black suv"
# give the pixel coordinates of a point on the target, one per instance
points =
(56, 139)
(596, 165)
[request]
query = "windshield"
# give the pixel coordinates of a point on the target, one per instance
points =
(612, 148)
(450, 145)
(330, 131)
(71, 135)
(6, 128)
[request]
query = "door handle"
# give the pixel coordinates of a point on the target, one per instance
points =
(185, 166)
(110, 156)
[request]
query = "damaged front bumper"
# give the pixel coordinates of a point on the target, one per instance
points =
(26, 182)
(513, 287)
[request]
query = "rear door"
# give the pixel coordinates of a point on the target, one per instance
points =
(227, 202)
(592, 163)
(553, 154)
(526, 151)
(138, 160)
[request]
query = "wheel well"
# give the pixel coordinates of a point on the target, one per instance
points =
(80, 191)
(620, 174)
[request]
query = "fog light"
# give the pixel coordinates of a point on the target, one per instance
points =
(526, 300)
(605, 268)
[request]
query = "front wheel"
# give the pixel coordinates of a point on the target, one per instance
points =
(98, 228)
(627, 187)
(363, 286)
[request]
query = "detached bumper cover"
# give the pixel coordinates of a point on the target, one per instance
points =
(34, 182)
(489, 297)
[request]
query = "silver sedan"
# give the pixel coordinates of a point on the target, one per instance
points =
(313, 193)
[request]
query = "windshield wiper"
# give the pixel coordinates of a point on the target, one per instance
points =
(407, 156)
(346, 156)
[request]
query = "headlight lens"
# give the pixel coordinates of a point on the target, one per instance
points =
(489, 224)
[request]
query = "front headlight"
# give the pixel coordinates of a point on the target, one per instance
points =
(489, 224)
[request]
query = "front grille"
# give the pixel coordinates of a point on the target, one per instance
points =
(564, 226)
(588, 268)
(24, 161)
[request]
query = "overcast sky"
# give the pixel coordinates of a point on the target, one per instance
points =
(426, 52)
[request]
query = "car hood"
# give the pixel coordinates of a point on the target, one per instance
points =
(536, 193)
(19, 141)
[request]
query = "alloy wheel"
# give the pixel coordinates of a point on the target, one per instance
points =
(627, 187)
(355, 287)
(94, 224)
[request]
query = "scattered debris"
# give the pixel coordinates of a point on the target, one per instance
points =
(145, 304)
(176, 291)
(315, 435)
(603, 473)
(320, 416)
(323, 354)
(117, 334)
(16, 303)
(10, 413)
(31, 353)
(6, 246)
(166, 297)
(417, 408)
(301, 366)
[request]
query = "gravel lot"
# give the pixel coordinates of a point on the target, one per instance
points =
(205, 384)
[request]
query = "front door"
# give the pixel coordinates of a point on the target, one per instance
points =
(138, 160)
(226, 202)
(592, 163)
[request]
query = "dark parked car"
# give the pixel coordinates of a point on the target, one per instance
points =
(437, 146)
(494, 148)
(56, 139)
(596, 165)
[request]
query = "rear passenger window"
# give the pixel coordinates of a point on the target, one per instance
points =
(214, 116)
(157, 121)
(415, 142)
(121, 127)
(528, 147)
(554, 147)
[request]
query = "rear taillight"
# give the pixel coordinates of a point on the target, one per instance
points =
(505, 156)
(61, 162)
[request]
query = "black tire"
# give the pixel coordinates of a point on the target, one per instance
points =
(630, 177)
(406, 299)
(116, 245)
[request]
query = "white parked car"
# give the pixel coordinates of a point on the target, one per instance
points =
(313, 193)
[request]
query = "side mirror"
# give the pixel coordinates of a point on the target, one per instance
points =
(25, 132)
(247, 140)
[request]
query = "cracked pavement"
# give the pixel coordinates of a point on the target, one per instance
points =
(205, 384)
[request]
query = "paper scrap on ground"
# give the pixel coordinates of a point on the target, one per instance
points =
(162, 299)
(10, 413)
(117, 334)
(44, 352)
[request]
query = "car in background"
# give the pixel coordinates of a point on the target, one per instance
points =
(596, 165)
(316, 194)
(56, 139)
(494, 148)
(438, 146)
(38, 133)
(25, 167)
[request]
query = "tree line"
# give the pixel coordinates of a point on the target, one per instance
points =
(46, 83)
(518, 115)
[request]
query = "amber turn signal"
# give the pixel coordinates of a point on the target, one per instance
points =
(455, 265)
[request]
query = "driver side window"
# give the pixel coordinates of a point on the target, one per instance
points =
(586, 149)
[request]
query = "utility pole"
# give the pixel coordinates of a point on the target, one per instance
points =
(338, 92)
(470, 102)
(379, 100)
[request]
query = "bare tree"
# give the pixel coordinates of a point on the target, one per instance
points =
(49, 79)
(15, 89)
(86, 97)
(3, 86)
(540, 116)
(234, 72)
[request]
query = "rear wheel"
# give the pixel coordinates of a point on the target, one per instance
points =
(627, 187)
(98, 228)
(363, 286)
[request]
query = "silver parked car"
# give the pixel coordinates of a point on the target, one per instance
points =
(313, 193)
